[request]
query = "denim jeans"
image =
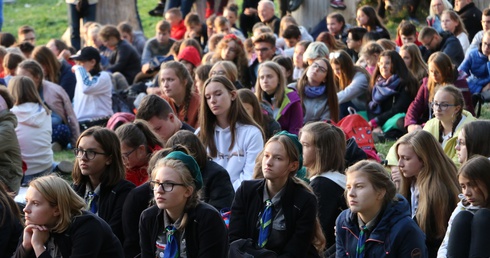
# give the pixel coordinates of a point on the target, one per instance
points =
(74, 17)
(185, 5)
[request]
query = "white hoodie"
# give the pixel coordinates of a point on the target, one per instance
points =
(34, 134)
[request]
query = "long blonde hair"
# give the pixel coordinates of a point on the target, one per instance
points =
(437, 183)
(23, 90)
(418, 67)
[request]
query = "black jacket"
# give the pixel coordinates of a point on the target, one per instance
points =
(87, 236)
(450, 46)
(126, 60)
(10, 232)
(217, 191)
(471, 16)
(205, 233)
(111, 203)
(300, 211)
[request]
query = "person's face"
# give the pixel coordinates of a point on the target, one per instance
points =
(276, 165)
(249, 108)
(444, 106)
(133, 157)
(176, 199)
(172, 19)
(317, 73)
(472, 191)
(268, 79)
(361, 18)
(38, 211)
(265, 12)
(406, 57)
(485, 45)
(264, 51)
(291, 42)
(230, 16)
(429, 42)
(162, 36)
(171, 85)
(198, 83)
(437, 7)
(447, 23)
(353, 44)
(336, 69)
(164, 128)
(217, 70)
(434, 73)
(485, 22)
(225, 29)
(96, 166)
(408, 39)
(110, 42)
(53, 47)
(218, 98)
(385, 66)
(309, 149)
(299, 50)
(459, 4)
(409, 163)
(126, 36)
(23, 72)
(334, 26)
(362, 198)
(196, 28)
(230, 50)
(29, 37)
(460, 147)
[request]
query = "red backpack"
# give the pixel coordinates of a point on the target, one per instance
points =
(355, 126)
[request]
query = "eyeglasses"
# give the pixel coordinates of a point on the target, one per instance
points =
(442, 106)
(126, 155)
(88, 154)
(262, 49)
(167, 186)
(460, 143)
(213, 73)
(430, 42)
(316, 66)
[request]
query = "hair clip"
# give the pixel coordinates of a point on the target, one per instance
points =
(234, 37)
(334, 55)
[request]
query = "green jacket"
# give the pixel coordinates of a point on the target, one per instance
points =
(10, 159)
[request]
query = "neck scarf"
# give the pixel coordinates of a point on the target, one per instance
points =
(315, 92)
(383, 89)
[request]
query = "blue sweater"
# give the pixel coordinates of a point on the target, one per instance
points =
(477, 67)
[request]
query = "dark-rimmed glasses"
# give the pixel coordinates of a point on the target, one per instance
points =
(89, 154)
(442, 106)
(167, 186)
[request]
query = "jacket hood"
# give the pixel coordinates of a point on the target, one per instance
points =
(32, 114)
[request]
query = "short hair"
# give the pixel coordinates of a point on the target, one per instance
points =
(202, 72)
(214, 40)
(357, 33)
(406, 28)
(337, 16)
(427, 32)
(387, 44)
(232, 7)
(371, 48)
(108, 31)
(291, 32)
(265, 37)
(11, 61)
(25, 29)
(108, 141)
(58, 193)
(220, 21)
(268, 3)
(163, 26)
(192, 19)
(486, 12)
(125, 27)
(174, 11)
(7, 39)
(377, 176)
(315, 50)
(153, 106)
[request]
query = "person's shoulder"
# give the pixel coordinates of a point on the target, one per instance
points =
(122, 186)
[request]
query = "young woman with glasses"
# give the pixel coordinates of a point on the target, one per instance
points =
(138, 143)
(449, 119)
(180, 225)
(98, 175)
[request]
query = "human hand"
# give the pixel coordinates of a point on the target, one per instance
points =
(65, 54)
(377, 130)
(250, 11)
(40, 235)
(414, 127)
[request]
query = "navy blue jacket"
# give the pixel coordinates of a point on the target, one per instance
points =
(450, 46)
(395, 235)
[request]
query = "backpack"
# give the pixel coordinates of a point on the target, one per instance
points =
(122, 102)
(357, 128)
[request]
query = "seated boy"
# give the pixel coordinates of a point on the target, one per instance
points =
(195, 29)
(178, 28)
(136, 38)
(158, 46)
(222, 25)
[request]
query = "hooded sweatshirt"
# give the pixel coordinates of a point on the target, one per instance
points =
(34, 134)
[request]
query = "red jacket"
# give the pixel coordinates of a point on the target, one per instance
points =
(177, 32)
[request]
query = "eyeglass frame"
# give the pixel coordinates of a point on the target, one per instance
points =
(126, 155)
(430, 42)
(319, 68)
(85, 153)
(443, 106)
(460, 142)
(154, 185)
